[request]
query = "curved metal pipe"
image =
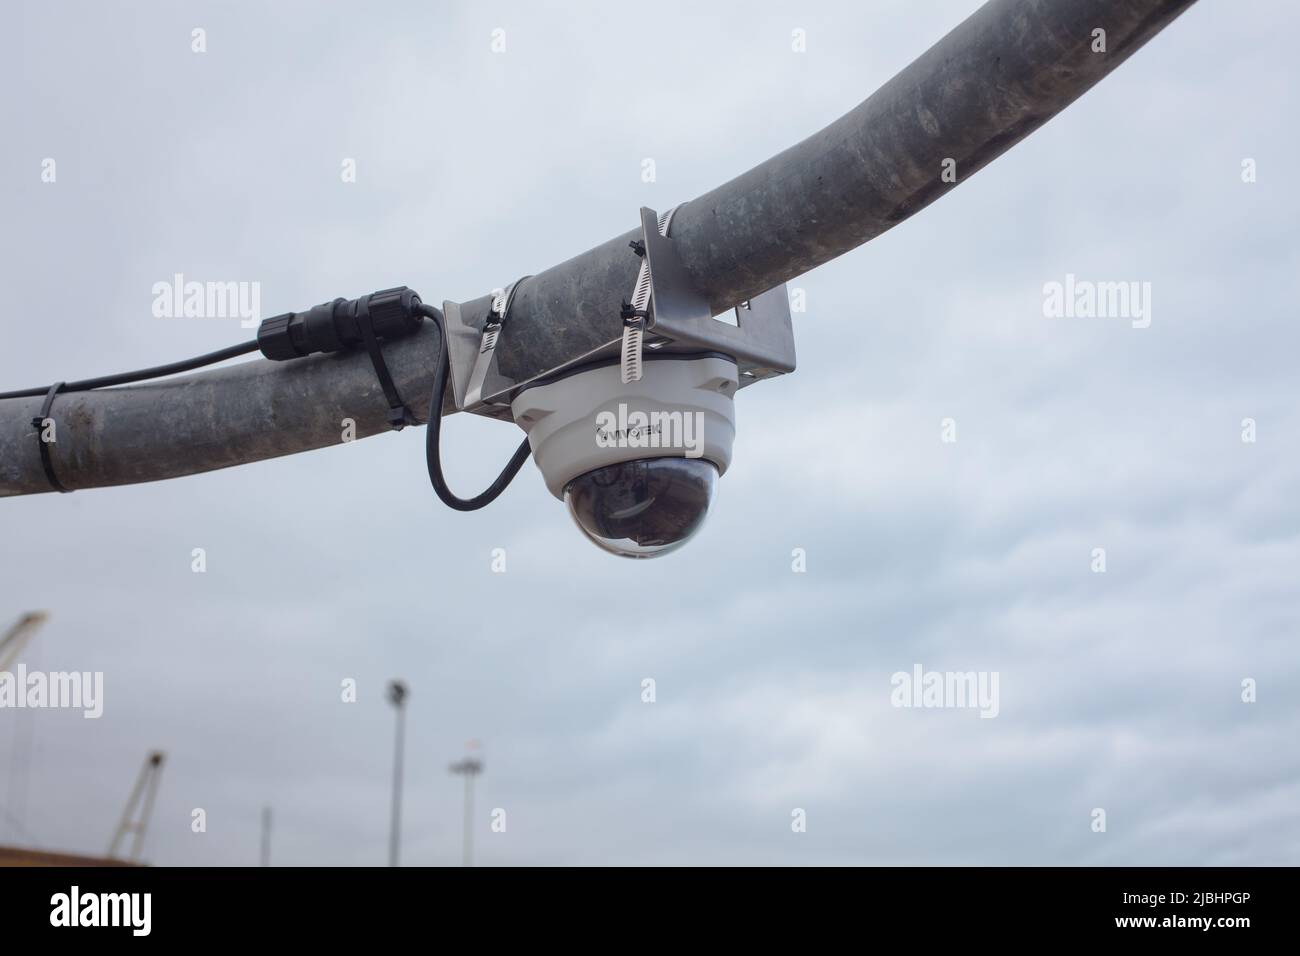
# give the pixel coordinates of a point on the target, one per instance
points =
(989, 83)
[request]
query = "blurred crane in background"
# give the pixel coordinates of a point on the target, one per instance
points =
(16, 638)
(139, 807)
(12, 645)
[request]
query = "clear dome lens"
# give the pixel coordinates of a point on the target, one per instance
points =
(643, 508)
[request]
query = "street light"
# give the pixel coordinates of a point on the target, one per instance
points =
(470, 768)
(266, 836)
(397, 694)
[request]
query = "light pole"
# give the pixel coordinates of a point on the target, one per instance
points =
(470, 768)
(266, 836)
(397, 697)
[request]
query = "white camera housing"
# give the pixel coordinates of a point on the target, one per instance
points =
(633, 432)
(635, 462)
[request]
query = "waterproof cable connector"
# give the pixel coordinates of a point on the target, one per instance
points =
(345, 324)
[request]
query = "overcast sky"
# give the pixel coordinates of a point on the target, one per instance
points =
(1119, 690)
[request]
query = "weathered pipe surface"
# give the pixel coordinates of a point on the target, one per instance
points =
(989, 83)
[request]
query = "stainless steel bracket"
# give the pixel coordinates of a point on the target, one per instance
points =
(761, 340)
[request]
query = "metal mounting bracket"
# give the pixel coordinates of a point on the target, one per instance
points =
(761, 340)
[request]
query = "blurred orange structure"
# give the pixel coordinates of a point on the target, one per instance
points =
(24, 856)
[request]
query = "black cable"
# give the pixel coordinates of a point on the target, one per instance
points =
(432, 455)
(157, 371)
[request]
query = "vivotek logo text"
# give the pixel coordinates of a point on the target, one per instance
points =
(75, 908)
(656, 429)
(56, 689)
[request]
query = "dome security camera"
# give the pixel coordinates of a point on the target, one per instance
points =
(636, 463)
(633, 434)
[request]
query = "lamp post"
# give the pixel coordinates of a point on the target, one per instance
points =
(266, 836)
(470, 768)
(397, 694)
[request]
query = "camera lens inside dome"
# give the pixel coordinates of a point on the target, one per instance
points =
(643, 508)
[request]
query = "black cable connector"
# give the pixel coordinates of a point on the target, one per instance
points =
(347, 324)
(339, 325)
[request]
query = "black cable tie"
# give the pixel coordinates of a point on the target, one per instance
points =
(399, 415)
(39, 424)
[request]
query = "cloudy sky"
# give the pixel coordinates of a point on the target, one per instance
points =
(1119, 690)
